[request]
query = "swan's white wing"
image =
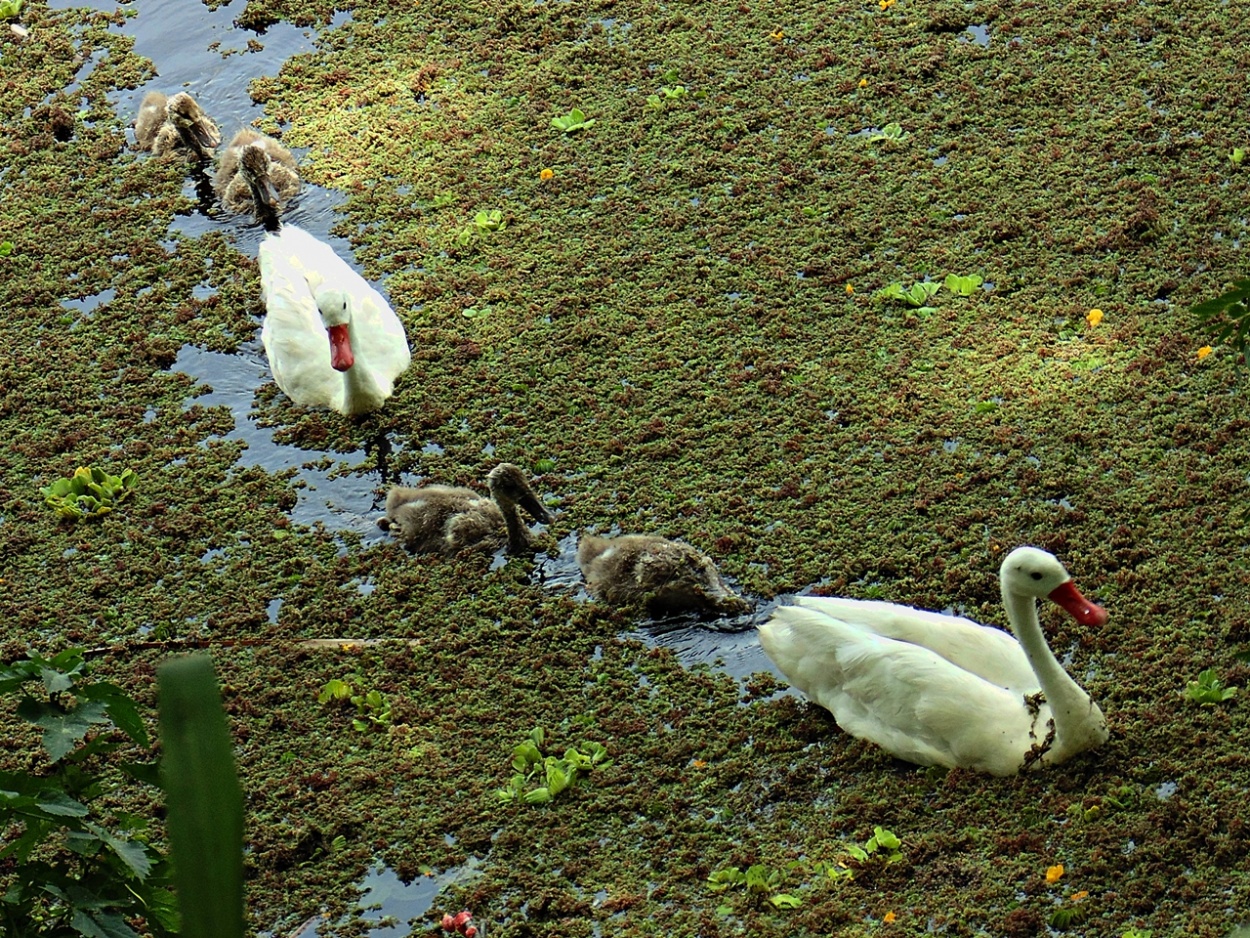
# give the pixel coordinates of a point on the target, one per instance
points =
(984, 650)
(901, 696)
(293, 334)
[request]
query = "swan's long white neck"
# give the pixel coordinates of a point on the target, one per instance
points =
(361, 392)
(1069, 705)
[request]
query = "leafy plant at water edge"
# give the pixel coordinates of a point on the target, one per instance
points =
(962, 286)
(759, 880)
(573, 121)
(551, 773)
(1237, 155)
(1209, 689)
(89, 491)
(1229, 313)
(373, 710)
(10, 8)
(69, 870)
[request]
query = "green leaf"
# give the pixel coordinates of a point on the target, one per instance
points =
(121, 710)
(334, 690)
(56, 802)
(537, 796)
(133, 853)
(205, 804)
(785, 901)
(62, 728)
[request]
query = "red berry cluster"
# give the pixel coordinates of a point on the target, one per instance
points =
(459, 923)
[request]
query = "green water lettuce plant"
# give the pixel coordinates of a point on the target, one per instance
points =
(10, 8)
(962, 286)
(373, 710)
(757, 880)
(537, 779)
(88, 492)
(573, 121)
(1209, 689)
(917, 294)
(891, 132)
(882, 840)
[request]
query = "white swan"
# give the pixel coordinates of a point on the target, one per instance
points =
(331, 339)
(939, 690)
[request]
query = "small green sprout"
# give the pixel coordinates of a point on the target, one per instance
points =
(1137, 933)
(1237, 155)
(6, 248)
(10, 8)
(759, 880)
(573, 121)
(962, 286)
(89, 491)
(544, 465)
(1230, 314)
(554, 774)
(891, 132)
(1209, 689)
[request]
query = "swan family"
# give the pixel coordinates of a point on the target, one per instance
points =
(928, 688)
(331, 339)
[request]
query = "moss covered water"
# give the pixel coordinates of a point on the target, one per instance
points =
(677, 323)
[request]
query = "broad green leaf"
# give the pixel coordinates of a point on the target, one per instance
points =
(205, 804)
(62, 728)
(55, 802)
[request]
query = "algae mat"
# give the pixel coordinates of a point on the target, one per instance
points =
(676, 324)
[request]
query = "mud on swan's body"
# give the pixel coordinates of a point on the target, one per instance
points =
(447, 519)
(665, 576)
(253, 160)
(331, 339)
(166, 124)
(939, 690)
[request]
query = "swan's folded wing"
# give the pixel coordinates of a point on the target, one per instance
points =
(293, 334)
(984, 650)
(378, 335)
(901, 696)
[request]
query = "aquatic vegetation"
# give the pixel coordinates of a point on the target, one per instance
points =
(70, 869)
(204, 800)
(892, 133)
(1209, 689)
(572, 122)
(758, 880)
(1237, 155)
(373, 710)
(883, 843)
(89, 491)
(10, 8)
(6, 248)
(549, 775)
(1229, 315)
(666, 96)
(962, 286)
(918, 294)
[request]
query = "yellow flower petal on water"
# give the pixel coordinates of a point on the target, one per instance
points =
(1093, 317)
(849, 289)
(1204, 352)
(889, 918)
(546, 174)
(1078, 896)
(777, 35)
(863, 82)
(1053, 873)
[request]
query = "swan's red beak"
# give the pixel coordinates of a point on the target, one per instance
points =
(1076, 605)
(341, 357)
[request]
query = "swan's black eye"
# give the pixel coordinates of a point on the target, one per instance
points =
(1035, 575)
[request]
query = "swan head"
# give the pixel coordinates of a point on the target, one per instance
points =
(336, 313)
(1030, 571)
(508, 485)
(254, 167)
(195, 128)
